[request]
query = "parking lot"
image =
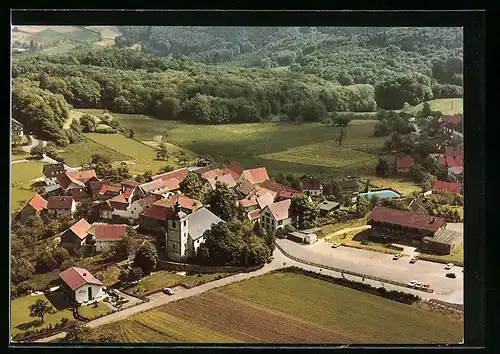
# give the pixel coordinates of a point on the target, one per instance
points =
(383, 266)
(161, 294)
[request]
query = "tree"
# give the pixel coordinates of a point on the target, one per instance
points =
(40, 308)
(192, 186)
(341, 121)
(270, 239)
(375, 201)
(367, 186)
(132, 133)
(258, 252)
(224, 243)
(37, 151)
(77, 331)
(222, 202)
(337, 192)
(126, 246)
(165, 169)
(328, 188)
(162, 152)
(135, 274)
(303, 211)
(426, 110)
(60, 255)
(417, 172)
(429, 181)
(97, 158)
(21, 269)
(342, 135)
(146, 258)
(88, 123)
(382, 168)
(45, 261)
(16, 140)
(85, 210)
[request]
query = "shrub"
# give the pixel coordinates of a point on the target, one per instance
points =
(105, 130)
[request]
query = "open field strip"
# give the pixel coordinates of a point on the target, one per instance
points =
(447, 106)
(22, 175)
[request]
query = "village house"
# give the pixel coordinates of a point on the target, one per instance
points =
(74, 237)
(77, 179)
(448, 187)
(453, 165)
(211, 182)
(172, 179)
(51, 172)
(120, 206)
(35, 206)
(312, 186)
(212, 173)
(245, 188)
(418, 230)
(348, 186)
(109, 191)
(94, 188)
(249, 203)
(17, 128)
(59, 206)
(234, 169)
(327, 208)
(265, 200)
(255, 175)
(80, 194)
(188, 205)
(139, 205)
(288, 194)
(421, 206)
(452, 125)
(275, 216)
(403, 164)
(156, 186)
(105, 236)
(80, 286)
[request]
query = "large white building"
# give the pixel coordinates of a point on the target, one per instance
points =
(80, 286)
(275, 216)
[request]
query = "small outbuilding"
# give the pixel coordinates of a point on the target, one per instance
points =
(301, 237)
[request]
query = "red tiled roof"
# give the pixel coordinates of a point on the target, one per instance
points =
(450, 161)
(65, 181)
(128, 183)
(456, 119)
(246, 187)
(110, 187)
(37, 202)
(259, 191)
(265, 200)
(128, 192)
(225, 179)
(172, 184)
(404, 162)
(457, 170)
(311, 184)
(108, 232)
(450, 187)
(119, 202)
(159, 212)
(288, 194)
(272, 185)
(256, 175)
(212, 173)
(246, 202)
(185, 202)
(82, 176)
(452, 151)
(153, 185)
(235, 168)
(406, 218)
(180, 174)
(81, 228)
(56, 202)
(280, 209)
(254, 214)
(77, 277)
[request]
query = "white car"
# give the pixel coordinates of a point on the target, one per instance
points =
(419, 285)
(168, 291)
(412, 283)
(449, 266)
(335, 245)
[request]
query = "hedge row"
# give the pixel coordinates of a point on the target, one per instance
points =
(33, 334)
(431, 258)
(394, 295)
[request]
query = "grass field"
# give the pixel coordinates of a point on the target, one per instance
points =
(18, 154)
(288, 308)
(60, 48)
(83, 35)
(402, 184)
(77, 154)
(163, 279)
(288, 148)
(20, 319)
(90, 311)
(51, 34)
(457, 256)
(447, 106)
(21, 175)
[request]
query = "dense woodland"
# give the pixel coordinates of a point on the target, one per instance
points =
(220, 75)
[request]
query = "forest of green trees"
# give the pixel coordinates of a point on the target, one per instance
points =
(220, 75)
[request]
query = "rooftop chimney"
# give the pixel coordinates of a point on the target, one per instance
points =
(433, 220)
(84, 274)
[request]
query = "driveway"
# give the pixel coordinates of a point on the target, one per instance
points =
(34, 142)
(381, 265)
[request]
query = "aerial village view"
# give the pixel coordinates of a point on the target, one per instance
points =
(295, 185)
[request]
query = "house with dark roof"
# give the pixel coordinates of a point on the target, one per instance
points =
(51, 172)
(17, 128)
(312, 186)
(349, 186)
(403, 164)
(391, 225)
(35, 206)
(421, 205)
(327, 207)
(245, 188)
(106, 236)
(234, 169)
(275, 216)
(80, 286)
(74, 237)
(80, 194)
(58, 206)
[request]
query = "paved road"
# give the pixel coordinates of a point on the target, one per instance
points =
(381, 265)
(34, 142)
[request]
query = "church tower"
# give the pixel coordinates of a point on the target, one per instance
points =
(177, 234)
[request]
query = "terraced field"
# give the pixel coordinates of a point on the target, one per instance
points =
(288, 308)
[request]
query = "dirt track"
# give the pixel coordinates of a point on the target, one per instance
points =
(250, 322)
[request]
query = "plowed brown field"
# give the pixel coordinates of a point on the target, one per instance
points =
(251, 323)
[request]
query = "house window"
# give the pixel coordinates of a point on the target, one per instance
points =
(173, 245)
(173, 224)
(280, 222)
(185, 222)
(185, 245)
(272, 222)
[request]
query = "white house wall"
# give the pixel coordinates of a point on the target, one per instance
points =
(102, 246)
(81, 294)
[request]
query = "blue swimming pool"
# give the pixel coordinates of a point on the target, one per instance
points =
(380, 194)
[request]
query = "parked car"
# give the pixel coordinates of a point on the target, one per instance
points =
(413, 260)
(335, 245)
(412, 283)
(419, 285)
(397, 256)
(449, 266)
(451, 275)
(168, 291)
